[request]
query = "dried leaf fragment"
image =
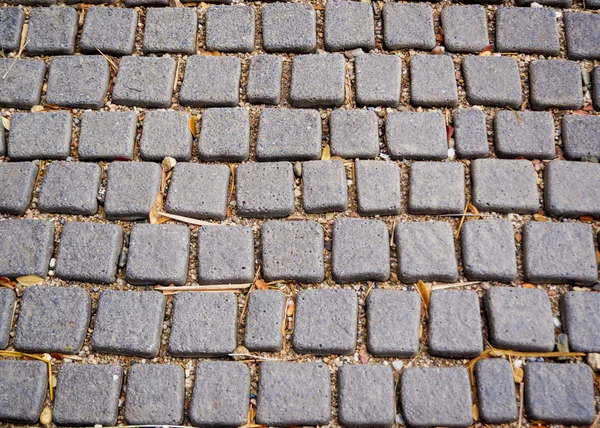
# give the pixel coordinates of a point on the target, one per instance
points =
(449, 132)
(192, 125)
(326, 155)
(475, 412)
(539, 217)
(28, 280)
(261, 284)
(168, 163)
(290, 309)
(518, 237)
(38, 108)
(424, 292)
(363, 355)
(46, 416)
(527, 285)
(6, 123)
(5, 282)
(586, 218)
(518, 374)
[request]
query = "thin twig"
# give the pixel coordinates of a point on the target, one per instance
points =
(187, 219)
(216, 287)
(15, 59)
(462, 219)
(256, 357)
(454, 285)
(596, 420)
(521, 399)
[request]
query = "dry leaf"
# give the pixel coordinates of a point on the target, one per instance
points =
(527, 285)
(192, 125)
(363, 355)
(518, 237)
(318, 7)
(46, 416)
(5, 282)
(475, 412)
(424, 292)
(326, 155)
(30, 280)
(168, 163)
(6, 123)
(38, 108)
(581, 113)
(539, 217)
(473, 209)
(261, 284)
(211, 53)
(154, 215)
(449, 132)
(518, 373)
(586, 218)
(290, 309)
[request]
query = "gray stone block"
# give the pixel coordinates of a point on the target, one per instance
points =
(87, 394)
(425, 251)
(436, 188)
(582, 31)
(581, 320)
(378, 80)
(109, 30)
(40, 136)
(230, 28)
(52, 31)
(264, 79)
(22, 86)
(596, 87)
(7, 309)
(555, 84)
(166, 133)
(25, 247)
(289, 27)
(211, 81)
(360, 250)
(492, 81)
(527, 30)
(377, 187)
(204, 325)
(528, 134)
(559, 253)
(155, 394)
(224, 135)
(33, 2)
(18, 179)
(134, 3)
(24, 384)
(496, 391)
(436, 396)
(225, 255)
(107, 135)
(354, 134)
(572, 189)
(53, 319)
(408, 26)
(416, 135)
(348, 25)
(432, 81)
(592, 4)
(563, 4)
(12, 19)
(318, 80)
(470, 133)
(171, 30)
(580, 136)
(465, 28)
(306, 385)
(2, 144)
(266, 313)
(324, 186)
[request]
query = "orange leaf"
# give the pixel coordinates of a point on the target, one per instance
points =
(539, 217)
(473, 209)
(581, 112)
(5, 282)
(586, 218)
(291, 309)
(192, 125)
(449, 132)
(518, 237)
(527, 285)
(261, 284)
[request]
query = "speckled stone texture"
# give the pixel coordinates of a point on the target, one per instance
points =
(18, 179)
(582, 32)
(293, 394)
(555, 84)
(416, 135)
(580, 136)
(7, 308)
(230, 28)
(528, 134)
(492, 81)
(408, 26)
(166, 133)
(289, 27)
(53, 319)
(470, 133)
(318, 80)
(52, 31)
(22, 87)
(572, 189)
(225, 255)
(40, 136)
(266, 312)
(581, 320)
(25, 247)
(527, 30)
(378, 80)
(23, 386)
(224, 135)
(465, 28)
(170, 30)
(432, 81)
(324, 186)
(354, 134)
(436, 188)
(496, 391)
(378, 187)
(348, 25)
(133, 3)
(110, 30)
(264, 79)
(11, 20)
(596, 87)
(107, 135)
(592, 4)
(211, 81)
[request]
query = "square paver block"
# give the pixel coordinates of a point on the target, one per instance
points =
(455, 324)
(488, 250)
(432, 81)
(225, 255)
(560, 393)
(505, 186)
(224, 135)
(366, 395)
(555, 83)
(129, 323)
(519, 319)
(465, 28)
(580, 136)
(89, 252)
(348, 25)
(592, 4)
(377, 187)
(292, 250)
(289, 27)
(7, 309)
(145, 81)
(170, 29)
(527, 30)
(408, 26)
(559, 253)
(436, 188)
(25, 247)
(40, 136)
(354, 134)
(528, 134)
(596, 87)
(266, 312)
(158, 254)
(264, 79)
(12, 19)
(416, 135)
(22, 85)
(18, 179)
(572, 189)
(581, 320)
(582, 32)
(294, 394)
(393, 323)
(53, 319)
(265, 190)
(470, 133)
(166, 133)
(204, 325)
(230, 28)
(492, 81)
(360, 250)
(324, 186)
(155, 394)
(496, 391)
(107, 135)
(318, 80)
(426, 252)
(436, 396)
(52, 31)
(131, 189)
(221, 394)
(211, 81)
(134, 3)
(87, 394)
(378, 80)
(24, 385)
(109, 30)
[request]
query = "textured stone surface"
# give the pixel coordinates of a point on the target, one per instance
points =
(266, 311)
(354, 134)
(555, 84)
(225, 255)
(40, 136)
(324, 186)
(289, 27)
(23, 386)
(25, 247)
(470, 133)
(318, 80)
(133, 3)
(12, 19)
(22, 87)
(596, 87)
(582, 31)
(7, 308)
(408, 26)
(348, 25)
(465, 28)
(496, 391)
(52, 31)
(18, 179)
(528, 134)
(224, 135)
(432, 81)
(211, 81)
(527, 30)
(166, 133)
(171, 30)
(580, 136)
(377, 187)
(378, 80)
(230, 28)
(572, 189)
(110, 30)
(492, 81)
(581, 320)
(107, 135)
(416, 135)
(436, 188)
(264, 79)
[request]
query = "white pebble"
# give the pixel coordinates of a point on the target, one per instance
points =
(451, 153)
(518, 364)
(52, 263)
(557, 322)
(397, 365)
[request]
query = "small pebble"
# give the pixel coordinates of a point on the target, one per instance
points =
(46, 416)
(593, 361)
(298, 169)
(123, 259)
(397, 365)
(52, 263)
(399, 419)
(353, 53)
(557, 322)
(50, 273)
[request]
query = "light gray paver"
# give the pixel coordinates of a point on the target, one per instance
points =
(18, 179)
(230, 28)
(171, 30)
(12, 19)
(527, 30)
(40, 136)
(470, 133)
(492, 81)
(289, 27)
(582, 31)
(225, 255)
(354, 134)
(266, 312)
(324, 186)
(408, 26)
(166, 133)
(7, 309)
(580, 136)
(555, 84)
(318, 80)
(22, 88)
(25, 247)
(596, 87)
(496, 391)
(264, 79)
(436, 188)
(572, 189)
(224, 135)
(348, 25)
(110, 30)
(465, 28)
(432, 81)
(24, 385)
(377, 187)
(581, 320)
(211, 81)
(378, 80)
(107, 135)
(52, 31)
(416, 135)
(528, 134)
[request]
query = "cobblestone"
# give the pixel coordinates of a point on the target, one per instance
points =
(496, 391)
(432, 81)
(527, 30)
(578, 136)
(571, 189)
(107, 135)
(527, 134)
(408, 26)
(25, 247)
(18, 179)
(22, 87)
(264, 79)
(348, 25)
(492, 81)
(7, 307)
(225, 135)
(230, 28)
(378, 187)
(318, 80)
(109, 30)
(211, 82)
(582, 31)
(52, 31)
(170, 30)
(465, 28)
(354, 134)
(324, 186)
(555, 84)
(436, 188)
(378, 80)
(225, 255)
(416, 135)
(40, 136)
(470, 133)
(166, 133)
(289, 27)
(581, 321)
(12, 19)
(596, 87)
(27, 382)
(266, 312)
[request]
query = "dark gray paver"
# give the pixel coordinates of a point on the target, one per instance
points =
(289, 27)
(555, 83)
(25, 247)
(581, 320)
(170, 29)
(40, 136)
(354, 134)
(318, 80)
(465, 28)
(225, 255)
(470, 133)
(378, 80)
(559, 393)
(12, 19)
(230, 28)
(432, 81)
(592, 4)
(211, 81)
(563, 4)
(24, 385)
(166, 133)
(377, 187)
(360, 250)
(158, 254)
(264, 79)
(53, 319)
(266, 313)
(2, 143)
(107, 135)
(7, 308)
(293, 394)
(52, 31)
(129, 323)
(527, 30)
(224, 135)
(348, 25)
(436, 188)
(204, 325)
(559, 253)
(580, 136)
(519, 319)
(265, 190)
(134, 3)
(572, 189)
(87, 394)
(416, 135)
(496, 391)
(492, 81)
(221, 394)
(596, 87)
(155, 394)
(324, 186)
(33, 2)
(528, 134)
(582, 31)
(131, 189)
(145, 81)
(408, 26)
(488, 250)
(89, 252)
(18, 179)
(109, 30)
(393, 323)
(504, 185)
(22, 86)
(436, 396)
